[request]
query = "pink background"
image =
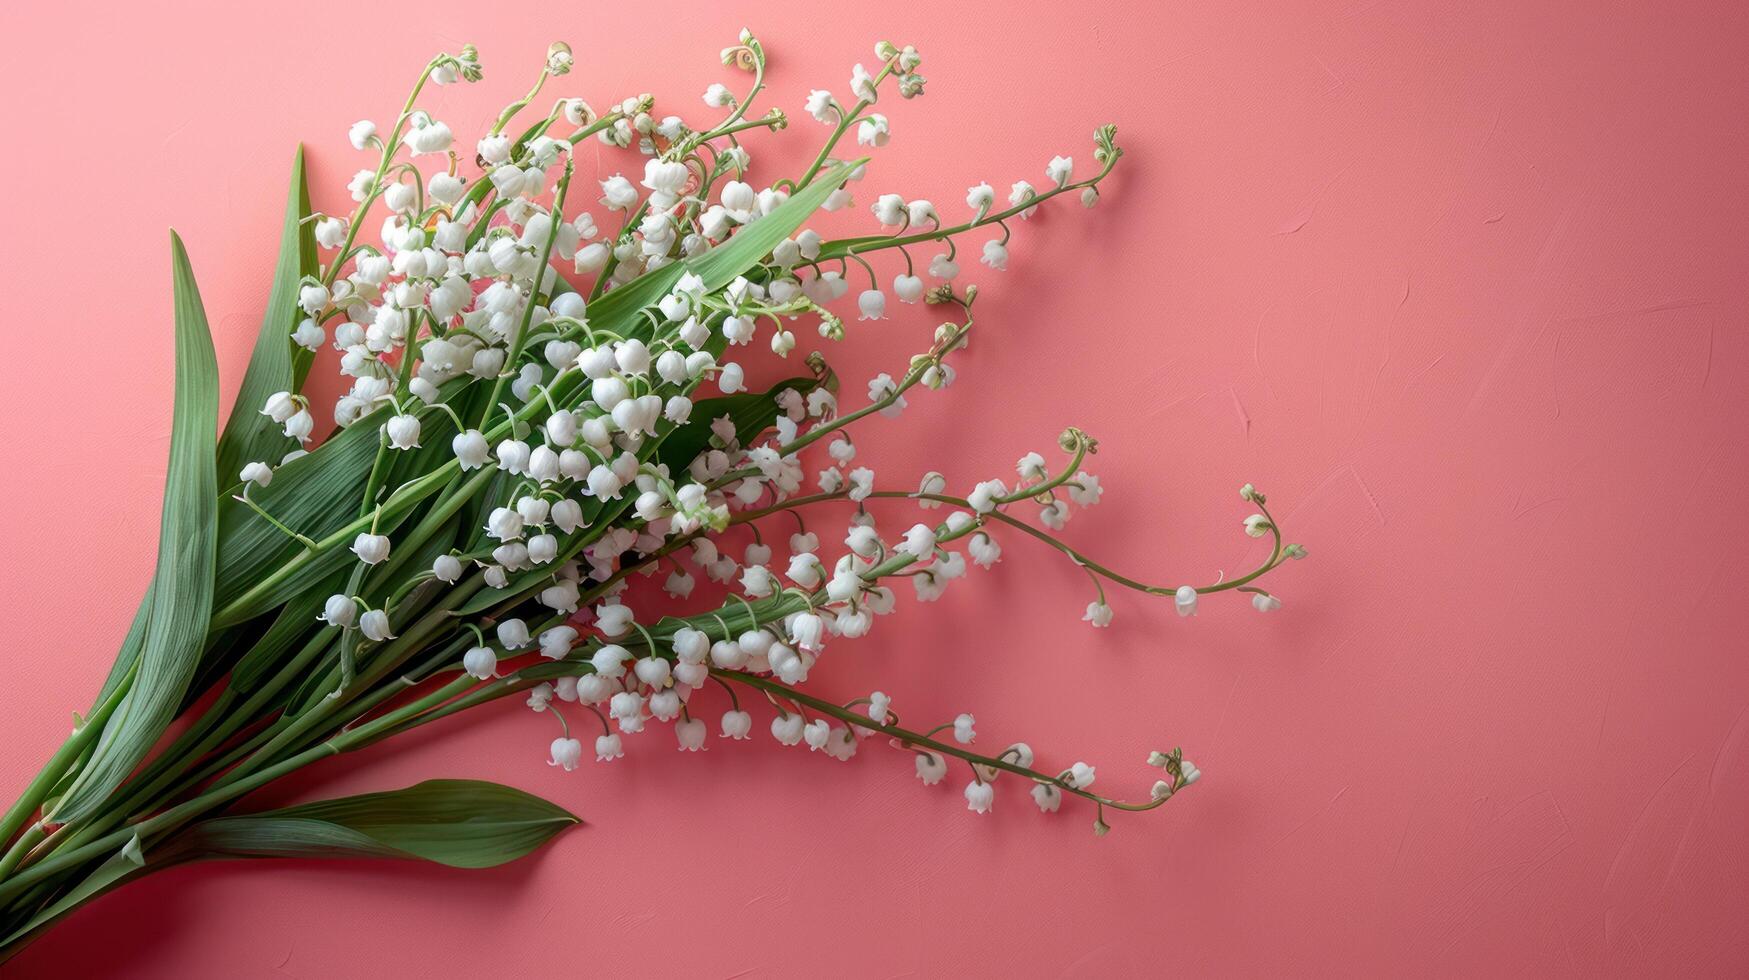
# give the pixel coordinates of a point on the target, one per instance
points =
(1460, 284)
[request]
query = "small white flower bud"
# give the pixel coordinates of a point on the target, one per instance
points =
(309, 335)
(340, 610)
(543, 548)
(561, 428)
(568, 752)
(374, 624)
(737, 724)
(480, 662)
(534, 510)
(608, 392)
(403, 431)
(370, 548)
(980, 796)
(470, 449)
(872, 304)
(1184, 600)
(504, 524)
(513, 633)
(280, 406)
(300, 425)
(931, 768)
(567, 515)
(608, 748)
(556, 643)
(962, 730)
(1048, 797)
(513, 456)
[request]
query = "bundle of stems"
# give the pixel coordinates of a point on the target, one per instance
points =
(534, 419)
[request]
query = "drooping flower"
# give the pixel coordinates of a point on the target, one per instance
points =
(374, 624)
(1059, 170)
(513, 634)
(962, 729)
(819, 105)
(567, 752)
(980, 796)
(1048, 797)
(372, 549)
(690, 733)
(872, 304)
(340, 610)
(931, 768)
(737, 724)
(609, 747)
(480, 662)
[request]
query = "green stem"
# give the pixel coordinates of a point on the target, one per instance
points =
(911, 738)
(845, 121)
(837, 249)
(175, 816)
(38, 790)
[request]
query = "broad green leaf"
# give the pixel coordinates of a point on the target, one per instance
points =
(130, 650)
(248, 435)
(182, 586)
(273, 366)
(461, 823)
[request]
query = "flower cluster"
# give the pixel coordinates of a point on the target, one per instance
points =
(547, 396)
(556, 422)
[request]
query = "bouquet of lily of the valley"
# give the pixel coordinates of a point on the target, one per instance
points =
(547, 403)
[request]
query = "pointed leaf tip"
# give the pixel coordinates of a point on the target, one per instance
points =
(172, 626)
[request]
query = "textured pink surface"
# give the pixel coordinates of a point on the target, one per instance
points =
(1460, 284)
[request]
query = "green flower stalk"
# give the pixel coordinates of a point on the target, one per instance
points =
(547, 401)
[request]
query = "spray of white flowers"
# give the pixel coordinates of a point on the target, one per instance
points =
(547, 398)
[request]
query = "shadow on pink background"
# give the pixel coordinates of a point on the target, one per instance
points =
(1461, 285)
